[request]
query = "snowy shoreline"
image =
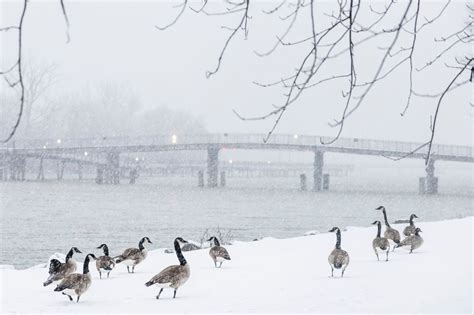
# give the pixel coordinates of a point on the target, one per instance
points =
(278, 275)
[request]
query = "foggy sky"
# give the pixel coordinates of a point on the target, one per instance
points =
(117, 41)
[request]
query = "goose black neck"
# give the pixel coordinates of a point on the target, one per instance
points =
(338, 241)
(416, 233)
(179, 254)
(140, 244)
(69, 254)
(216, 242)
(106, 250)
(379, 228)
(86, 265)
(385, 218)
(411, 220)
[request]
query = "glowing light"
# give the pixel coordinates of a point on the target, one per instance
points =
(174, 139)
(295, 136)
(85, 153)
(230, 161)
(137, 159)
(58, 141)
(269, 162)
(44, 147)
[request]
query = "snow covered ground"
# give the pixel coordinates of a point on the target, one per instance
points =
(278, 275)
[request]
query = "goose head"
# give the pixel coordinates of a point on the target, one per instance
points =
(376, 223)
(380, 208)
(91, 256)
(180, 240)
(334, 229)
(101, 245)
(146, 239)
(414, 216)
(418, 230)
(76, 250)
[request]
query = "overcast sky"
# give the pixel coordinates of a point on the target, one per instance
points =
(117, 41)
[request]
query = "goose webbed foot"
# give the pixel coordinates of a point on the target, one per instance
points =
(332, 272)
(342, 275)
(174, 294)
(78, 297)
(158, 296)
(108, 273)
(70, 297)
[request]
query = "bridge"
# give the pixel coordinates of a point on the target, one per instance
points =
(105, 152)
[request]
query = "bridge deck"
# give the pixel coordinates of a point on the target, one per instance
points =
(239, 141)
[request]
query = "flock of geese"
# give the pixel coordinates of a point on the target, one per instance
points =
(174, 276)
(339, 258)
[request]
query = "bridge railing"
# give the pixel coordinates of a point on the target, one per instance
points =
(224, 138)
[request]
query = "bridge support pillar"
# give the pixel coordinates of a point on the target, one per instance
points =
(318, 170)
(17, 167)
(79, 170)
(201, 179)
(112, 174)
(133, 175)
(60, 170)
(40, 170)
(303, 185)
(212, 166)
(431, 185)
(223, 182)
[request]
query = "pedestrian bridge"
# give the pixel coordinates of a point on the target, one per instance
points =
(110, 149)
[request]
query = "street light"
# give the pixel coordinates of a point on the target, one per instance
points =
(137, 158)
(58, 141)
(230, 161)
(174, 139)
(85, 153)
(295, 136)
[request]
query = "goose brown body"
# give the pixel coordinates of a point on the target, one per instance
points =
(410, 229)
(414, 241)
(133, 256)
(338, 258)
(104, 263)
(390, 233)
(380, 242)
(172, 276)
(58, 270)
(76, 283)
(217, 252)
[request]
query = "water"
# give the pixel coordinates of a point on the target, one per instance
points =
(40, 218)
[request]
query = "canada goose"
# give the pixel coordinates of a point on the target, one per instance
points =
(409, 230)
(104, 263)
(338, 258)
(390, 233)
(58, 270)
(76, 283)
(133, 256)
(172, 276)
(414, 241)
(380, 242)
(218, 253)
